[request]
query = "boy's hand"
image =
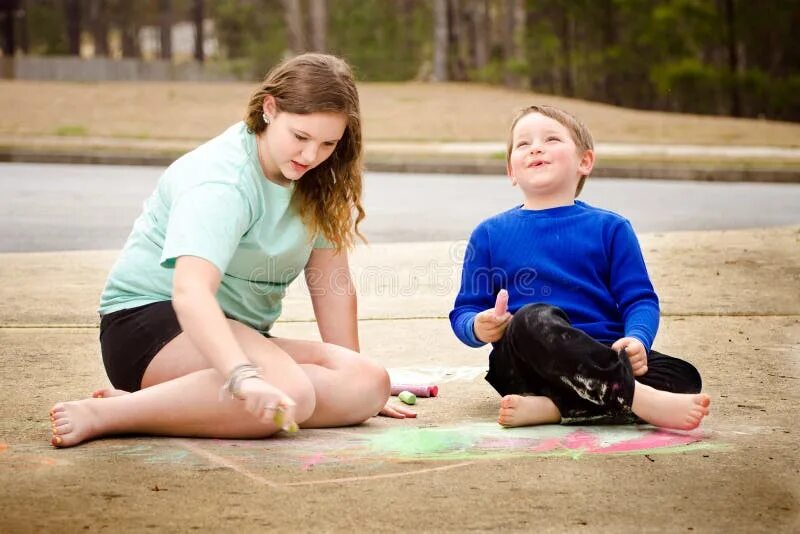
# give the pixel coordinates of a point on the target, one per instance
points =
(635, 351)
(492, 323)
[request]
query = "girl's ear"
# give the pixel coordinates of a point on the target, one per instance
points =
(269, 106)
(587, 163)
(510, 174)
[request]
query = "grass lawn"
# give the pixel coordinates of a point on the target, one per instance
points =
(391, 112)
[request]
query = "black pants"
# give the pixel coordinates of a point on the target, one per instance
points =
(542, 354)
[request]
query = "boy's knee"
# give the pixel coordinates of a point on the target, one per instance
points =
(537, 317)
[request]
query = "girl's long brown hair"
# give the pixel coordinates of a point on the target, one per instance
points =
(329, 195)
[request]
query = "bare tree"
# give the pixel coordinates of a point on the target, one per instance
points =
(733, 57)
(440, 41)
(165, 28)
(514, 42)
(566, 36)
(457, 36)
(8, 10)
(293, 13)
(318, 11)
(198, 14)
(478, 33)
(72, 12)
(98, 19)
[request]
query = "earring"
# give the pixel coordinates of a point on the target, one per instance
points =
(266, 119)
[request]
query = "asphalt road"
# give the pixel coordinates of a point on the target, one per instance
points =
(90, 207)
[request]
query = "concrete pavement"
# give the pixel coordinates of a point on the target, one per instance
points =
(731, 306)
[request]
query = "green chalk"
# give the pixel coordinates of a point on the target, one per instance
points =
(292, 428)
(407, 397)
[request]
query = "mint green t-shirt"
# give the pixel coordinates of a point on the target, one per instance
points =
(215, 203)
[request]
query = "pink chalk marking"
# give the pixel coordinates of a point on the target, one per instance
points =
(312, 461)
(581, 440)
(655, 440)
(420, 390)
(3, 446)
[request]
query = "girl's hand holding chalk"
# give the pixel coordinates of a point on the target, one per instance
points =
(491, 324)
(268, 403)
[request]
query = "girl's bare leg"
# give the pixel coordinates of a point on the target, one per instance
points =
(349, 387)
(332, 386)
(180, 396)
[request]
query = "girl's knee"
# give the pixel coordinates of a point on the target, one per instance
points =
(302, 393)
(374, 386)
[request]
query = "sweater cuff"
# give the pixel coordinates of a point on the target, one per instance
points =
(469, 334)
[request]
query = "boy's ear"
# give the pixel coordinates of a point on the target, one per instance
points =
(269, 106)
(510, 174)
(587, 163)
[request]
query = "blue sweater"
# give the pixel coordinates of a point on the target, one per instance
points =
(582, 259)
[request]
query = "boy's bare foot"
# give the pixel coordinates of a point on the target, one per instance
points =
(516, 410)
(73, 423)
(670, 410)
(105, 393)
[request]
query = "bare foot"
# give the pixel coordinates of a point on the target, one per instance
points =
(73, 423)
(105, 393)
(670, 410)
(516, 410)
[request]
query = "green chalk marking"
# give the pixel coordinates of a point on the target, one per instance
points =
(407, 397)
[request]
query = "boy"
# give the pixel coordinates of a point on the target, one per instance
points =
(561, 290)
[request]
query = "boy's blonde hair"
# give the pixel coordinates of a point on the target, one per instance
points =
(581, 135)
(329, 196)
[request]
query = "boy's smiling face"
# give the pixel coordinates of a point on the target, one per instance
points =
(545, 162)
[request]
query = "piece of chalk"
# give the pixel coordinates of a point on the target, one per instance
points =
(501, 304)
(407, 397)
(420, 390)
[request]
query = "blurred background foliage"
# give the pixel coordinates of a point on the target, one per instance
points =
(722, 57)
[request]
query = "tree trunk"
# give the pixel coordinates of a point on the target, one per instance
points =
(98, 18)
(440, 41)
(72, 12)
(513, 42)
(198, 14)
(479, 35)
(24, 41)
(566, 31)
(293, 15)
(456, 41)
(165, 28)
(8, 15)
(733, 57)
(318, 10)
(610, 40)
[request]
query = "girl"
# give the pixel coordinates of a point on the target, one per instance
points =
(187, 308)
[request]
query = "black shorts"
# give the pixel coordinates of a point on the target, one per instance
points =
(131, 338)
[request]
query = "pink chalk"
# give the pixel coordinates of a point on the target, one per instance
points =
(501, 304)
(420, 390)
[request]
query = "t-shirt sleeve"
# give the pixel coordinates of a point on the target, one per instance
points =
(322, 242)
(207, 221)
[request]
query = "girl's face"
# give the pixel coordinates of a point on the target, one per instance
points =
(544, 160)
(293, 144)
